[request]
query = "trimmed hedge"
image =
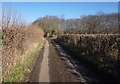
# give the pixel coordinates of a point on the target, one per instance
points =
(102, 50)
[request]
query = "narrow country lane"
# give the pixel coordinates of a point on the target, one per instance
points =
(54, 65)
(69, 42)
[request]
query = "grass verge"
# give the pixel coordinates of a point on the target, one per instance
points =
(20, 70)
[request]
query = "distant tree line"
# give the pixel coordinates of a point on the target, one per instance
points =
(90, 24)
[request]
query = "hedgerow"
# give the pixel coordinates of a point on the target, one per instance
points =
(102, 50)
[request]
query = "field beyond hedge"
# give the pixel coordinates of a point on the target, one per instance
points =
(102, 50)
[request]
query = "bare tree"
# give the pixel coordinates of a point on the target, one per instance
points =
(10, 19)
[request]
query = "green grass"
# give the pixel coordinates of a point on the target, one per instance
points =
(20, 70)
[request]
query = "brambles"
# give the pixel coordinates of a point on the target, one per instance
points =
(100, 49)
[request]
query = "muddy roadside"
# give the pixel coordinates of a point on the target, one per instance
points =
(58, 71)
(85, 71)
